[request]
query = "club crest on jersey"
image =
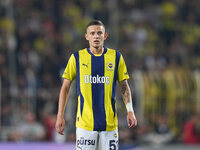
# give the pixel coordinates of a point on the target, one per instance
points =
(110, 65)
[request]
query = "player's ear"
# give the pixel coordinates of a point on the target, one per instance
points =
(105, 36)
(86, 37)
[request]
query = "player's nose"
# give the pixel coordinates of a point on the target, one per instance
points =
(96, 35)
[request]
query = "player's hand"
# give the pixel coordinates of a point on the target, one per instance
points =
(131, 120)
(60, 125)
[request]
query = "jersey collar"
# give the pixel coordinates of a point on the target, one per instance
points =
(105, 50)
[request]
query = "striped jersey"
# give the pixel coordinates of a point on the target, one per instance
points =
(96, 86)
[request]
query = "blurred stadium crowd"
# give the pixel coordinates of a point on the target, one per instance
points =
(159, 39)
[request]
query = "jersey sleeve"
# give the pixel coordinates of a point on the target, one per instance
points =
(70, 70)
(122, 70)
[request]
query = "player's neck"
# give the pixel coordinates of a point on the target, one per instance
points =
(97, 51)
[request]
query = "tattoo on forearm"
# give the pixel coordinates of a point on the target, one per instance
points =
(125, 90)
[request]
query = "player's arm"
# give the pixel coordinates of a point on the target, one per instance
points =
(126, 95)
(60, 122)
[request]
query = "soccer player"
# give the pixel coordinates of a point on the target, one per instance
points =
(96, 69)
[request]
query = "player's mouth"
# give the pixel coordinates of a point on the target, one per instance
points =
(96, 41)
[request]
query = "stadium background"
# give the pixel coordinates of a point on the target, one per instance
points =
(159, 39)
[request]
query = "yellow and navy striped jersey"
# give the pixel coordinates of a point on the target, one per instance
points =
(96, 83)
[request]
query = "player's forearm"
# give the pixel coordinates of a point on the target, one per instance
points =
(62, 100)
(125, 91)
(126, 95)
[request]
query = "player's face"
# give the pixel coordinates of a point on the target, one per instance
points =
(96, 36)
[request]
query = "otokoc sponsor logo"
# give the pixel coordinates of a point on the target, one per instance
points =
(96, 79)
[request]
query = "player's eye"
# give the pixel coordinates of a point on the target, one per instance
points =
(92, 33)
(100, 33)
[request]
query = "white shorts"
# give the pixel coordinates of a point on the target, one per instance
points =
(96, 140)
